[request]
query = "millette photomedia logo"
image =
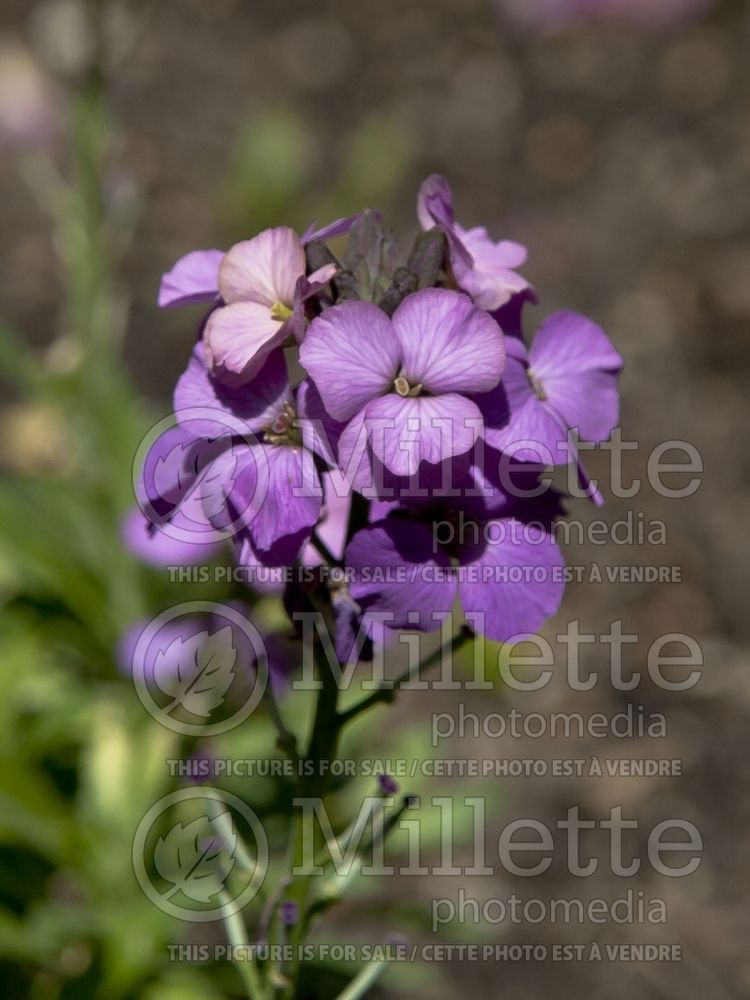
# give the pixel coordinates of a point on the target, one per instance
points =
(200, 854)
(200, 668)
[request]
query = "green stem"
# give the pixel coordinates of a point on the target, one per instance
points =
(312, 784)
(238, 939)
(326, 730)
(363, 981)
(388, 689)
(286, 740)
(220, 817)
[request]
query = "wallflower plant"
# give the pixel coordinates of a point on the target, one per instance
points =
(385, 433)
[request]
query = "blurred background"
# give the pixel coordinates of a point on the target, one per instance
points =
(612, 137)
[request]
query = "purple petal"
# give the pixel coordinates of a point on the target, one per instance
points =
(397, 569)
(165, 646)
(489, 278)
(264, 269)
(448, 344)
(355, 458)
(435, 203)
(207, 408)
(178, 544)
(512, 580)
(276, 492)
(585, 481)
(353, 354)
(490, 255)
(262, 576)
(320, 432)
(171, 481)
(239, 338)
(361, 469)
(338, 228)
(334, 521)
(497, 485)
(312, 283)
(534, 434)
(348, 629)
(509, 316)
(578, 367)
(194, 278)
(305, 289)
(404, 432)
(516, 421)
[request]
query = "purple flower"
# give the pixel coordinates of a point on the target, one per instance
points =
(401, 384)
(266, 489)
(566, 380)
(262, 283)
(429, 405)
(482, 268)
(195, 277)
(260, 286)
(506, 570)
(175, 641)
(338, 228)
(239, 464)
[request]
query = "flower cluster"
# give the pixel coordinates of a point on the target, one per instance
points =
(381, 421)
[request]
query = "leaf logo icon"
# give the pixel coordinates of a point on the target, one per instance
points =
(172, 474)
(195, 865)
(197, 671)
(210, 490)
(183, 862)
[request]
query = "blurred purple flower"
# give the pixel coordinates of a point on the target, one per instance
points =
(169, 526)
(30, 104)
(166, 650)
(289, 913)
(158, 547)
(387, 785)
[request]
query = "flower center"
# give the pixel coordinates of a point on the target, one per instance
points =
(536, 385)
(284, 430)
(402, 387)
(280, 312)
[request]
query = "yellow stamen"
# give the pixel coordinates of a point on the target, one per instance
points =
(536, 385)
(403, 388)
(280, 312)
